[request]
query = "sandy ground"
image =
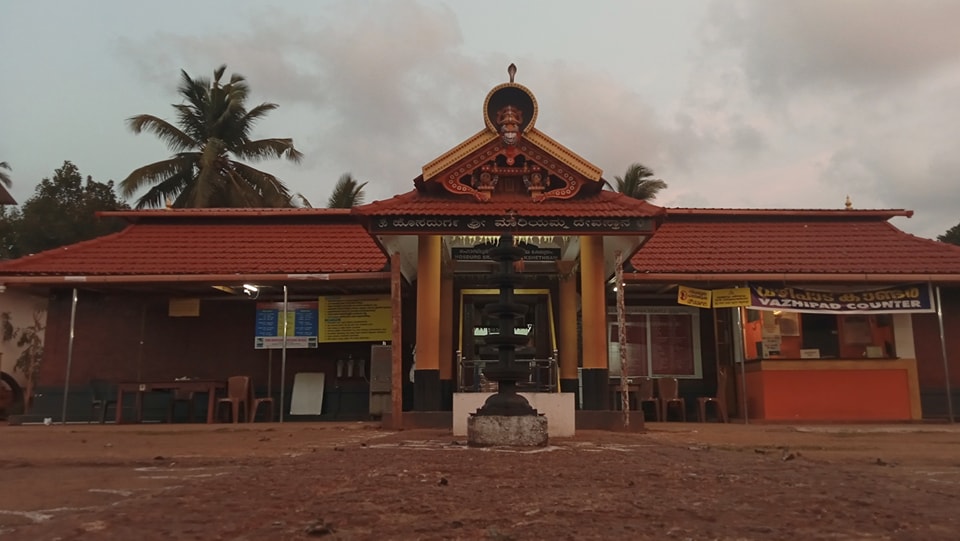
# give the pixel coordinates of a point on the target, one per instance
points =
(357, 481)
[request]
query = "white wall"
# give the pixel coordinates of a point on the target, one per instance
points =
(21, 308)
(903, 336)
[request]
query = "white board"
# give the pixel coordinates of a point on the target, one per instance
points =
(307, 398)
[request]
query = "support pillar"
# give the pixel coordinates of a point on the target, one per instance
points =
(593, 304)
(426, 382)
(568, 343)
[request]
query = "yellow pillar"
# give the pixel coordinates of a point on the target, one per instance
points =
(426, 391)
(594, 313)
(593, 302)
(567, 343)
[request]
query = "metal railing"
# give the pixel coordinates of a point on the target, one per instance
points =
(544, 375)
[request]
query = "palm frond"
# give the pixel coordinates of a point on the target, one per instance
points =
(273, 192)
(347, 193)
(304, 202)
(4, 177)
(218, 73)
(175, 139)
(169, 189)
(185, 163)
(636, 183)
(268, 148)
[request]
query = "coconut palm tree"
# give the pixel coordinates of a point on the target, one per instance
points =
(4, 176)
(636, 183)
(347, 193)
(211, 135)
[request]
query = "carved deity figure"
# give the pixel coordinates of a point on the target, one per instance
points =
(509, 119)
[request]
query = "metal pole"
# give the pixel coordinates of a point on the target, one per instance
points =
(143, 331)
(270, 373)
(946, 364)
(743, 364)
(396, 348)
(283, 353)
(622, 342)
(66, 381)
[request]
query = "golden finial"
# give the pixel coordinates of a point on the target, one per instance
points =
(512, 71)
(848, 204)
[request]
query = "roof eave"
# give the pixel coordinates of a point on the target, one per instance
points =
(675, 277)
(78, 280)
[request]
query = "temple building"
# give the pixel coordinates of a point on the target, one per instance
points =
(781, 315)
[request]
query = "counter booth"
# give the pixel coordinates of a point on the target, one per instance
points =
(831, 355)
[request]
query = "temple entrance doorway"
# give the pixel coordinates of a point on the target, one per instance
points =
(537, 323)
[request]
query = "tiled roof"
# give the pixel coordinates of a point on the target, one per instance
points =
(602, 204)
(704, 242)
(728, 241)
(198, 243)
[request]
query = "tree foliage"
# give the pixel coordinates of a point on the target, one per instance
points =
(211, 136)
(636, 183)
(61, 211)
(347, 193)
(952, 235)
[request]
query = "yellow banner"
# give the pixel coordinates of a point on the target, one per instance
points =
(355, 318)
(731, 298)
(693, 297)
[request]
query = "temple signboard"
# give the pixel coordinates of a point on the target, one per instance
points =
(514, 224)
(910, 298)
(480, 253)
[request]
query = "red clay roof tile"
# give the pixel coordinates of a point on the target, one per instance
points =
(161, 245)
(817, 242)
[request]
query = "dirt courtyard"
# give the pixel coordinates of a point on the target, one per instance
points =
(358, 481)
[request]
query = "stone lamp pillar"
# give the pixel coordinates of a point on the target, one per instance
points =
(506, 418)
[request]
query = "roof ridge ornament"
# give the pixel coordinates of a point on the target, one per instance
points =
(512, 71)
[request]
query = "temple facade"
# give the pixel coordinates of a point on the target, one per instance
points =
(780, 314)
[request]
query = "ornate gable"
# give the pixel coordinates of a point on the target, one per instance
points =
(511, 156)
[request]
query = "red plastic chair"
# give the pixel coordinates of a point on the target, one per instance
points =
(719, 401)
(669, 391)
(238, 397)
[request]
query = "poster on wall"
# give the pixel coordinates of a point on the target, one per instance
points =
(355, 318)
(301, 325)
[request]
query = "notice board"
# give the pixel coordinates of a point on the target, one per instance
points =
(356, 318)
(672, 345)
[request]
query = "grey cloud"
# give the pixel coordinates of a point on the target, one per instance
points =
(794, 46)
(601, 119)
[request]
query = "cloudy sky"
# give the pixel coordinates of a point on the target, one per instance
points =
(750, 104)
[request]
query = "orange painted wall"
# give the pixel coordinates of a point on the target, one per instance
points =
(830, 395)
(755, 394)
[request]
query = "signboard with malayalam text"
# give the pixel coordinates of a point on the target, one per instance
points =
(356, 318)
(691, 296)
(731, 298)
(301, 325)
(515, 224)
(888, 300)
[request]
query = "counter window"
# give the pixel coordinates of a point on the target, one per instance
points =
(793, 335)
